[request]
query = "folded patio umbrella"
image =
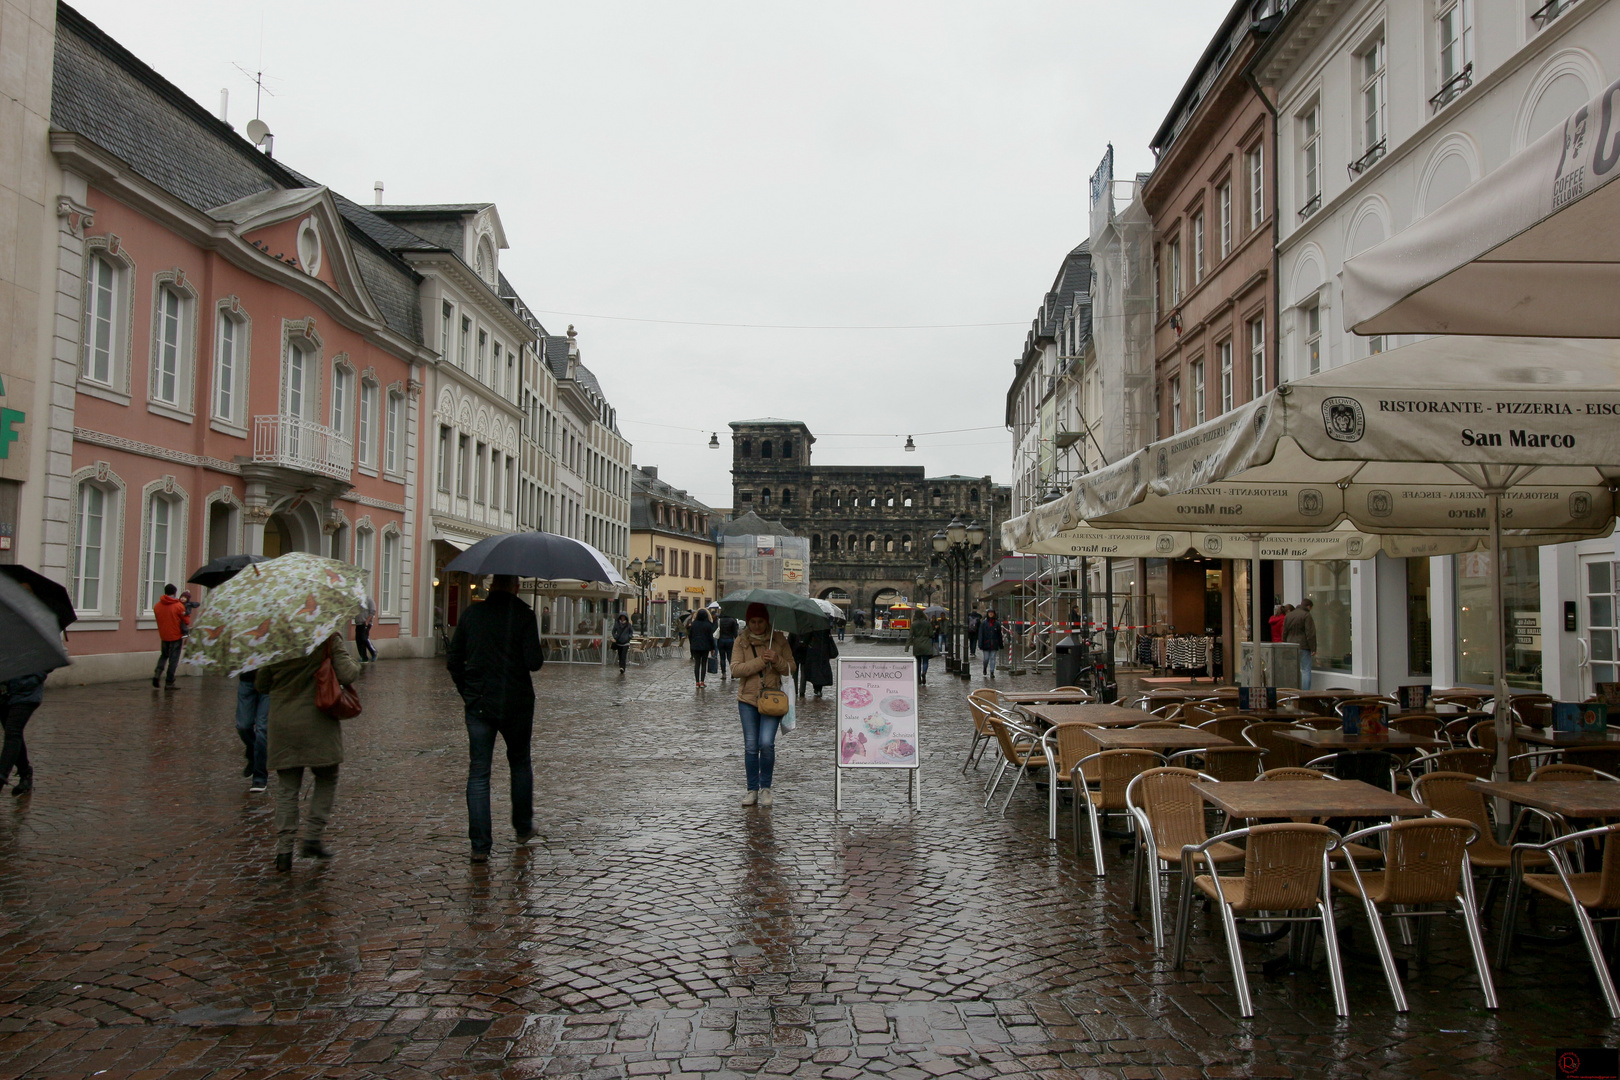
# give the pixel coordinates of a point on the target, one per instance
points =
(48, 592)
(543, 555)
(29, 629)
(274, 611)
(790, 612)
(222, 569)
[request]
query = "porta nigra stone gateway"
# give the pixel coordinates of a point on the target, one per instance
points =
(869, 526)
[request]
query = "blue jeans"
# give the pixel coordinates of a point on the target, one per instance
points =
(990, 660)
(1304, 669)
(759, 745)
(922, 665)
(252, 718)
(481, 734)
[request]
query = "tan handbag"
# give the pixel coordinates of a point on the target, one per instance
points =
(772, 702)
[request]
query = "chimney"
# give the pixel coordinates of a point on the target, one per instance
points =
(269, 145)
(651, 471)
(377, 190)
(224, 104)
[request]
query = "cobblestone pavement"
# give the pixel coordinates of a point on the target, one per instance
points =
(657, 928)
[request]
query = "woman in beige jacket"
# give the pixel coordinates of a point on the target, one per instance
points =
(302, 736)
(759, 660)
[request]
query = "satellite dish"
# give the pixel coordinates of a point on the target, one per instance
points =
(256, 131)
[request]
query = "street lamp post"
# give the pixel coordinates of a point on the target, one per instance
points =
(955, 546)
(643, 574)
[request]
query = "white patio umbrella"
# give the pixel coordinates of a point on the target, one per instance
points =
(1532, 248)
(1487, 442)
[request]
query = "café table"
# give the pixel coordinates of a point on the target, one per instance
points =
(1159, 739)
(1571, 799)
(1100, 715)
(1038, 697)
(1306, 798)
(1329, 742)
(1281, 712)
(1548, 737)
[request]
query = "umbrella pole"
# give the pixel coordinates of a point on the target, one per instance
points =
(1257, 675)
(1504, 713)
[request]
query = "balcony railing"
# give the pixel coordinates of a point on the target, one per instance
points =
(295, 443)
(1362, 163)
(1452, 87)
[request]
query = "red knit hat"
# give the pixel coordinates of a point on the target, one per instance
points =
(760, 610)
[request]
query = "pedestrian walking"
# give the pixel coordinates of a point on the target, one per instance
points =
(253, 728)
(172, 624)
(819, 652)
(496, 646)
(799, 645)
(922, 647)
(725, 636)
(758, 661)
(990, 642)
(19, 698)
(1277, 619)
(841, 623)
(939, 634)
(1300, 628)
(700, 637)
(623, 632)
(299, 736)
(974, 621)
(363, 620)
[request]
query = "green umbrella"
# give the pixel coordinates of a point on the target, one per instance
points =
(274, 611)
(790, 613)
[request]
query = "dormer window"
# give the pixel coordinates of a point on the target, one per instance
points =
(484, 260)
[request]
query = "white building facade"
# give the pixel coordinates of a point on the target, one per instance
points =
(1386, 110)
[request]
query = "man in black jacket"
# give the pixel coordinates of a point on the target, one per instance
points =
(496, 646)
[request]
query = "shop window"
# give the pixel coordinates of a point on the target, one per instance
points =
(1521, 596)
(1327, 584)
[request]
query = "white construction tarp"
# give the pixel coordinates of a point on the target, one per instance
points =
(1532, 248)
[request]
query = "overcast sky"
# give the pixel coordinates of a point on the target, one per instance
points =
(825, 164)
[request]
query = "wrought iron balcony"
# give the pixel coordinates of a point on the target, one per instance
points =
(1374, 152)
(295, 443)
(1452, 87)
(1549, 11)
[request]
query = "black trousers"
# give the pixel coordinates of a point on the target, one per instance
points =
(700, 665)
(362, 643)
(169, 655)
(14, 752)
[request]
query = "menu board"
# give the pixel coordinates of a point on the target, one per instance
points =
(877, 713)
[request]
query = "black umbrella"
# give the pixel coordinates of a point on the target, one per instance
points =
(48, 592)
(222, 570)
(536, 555)
(28, 627)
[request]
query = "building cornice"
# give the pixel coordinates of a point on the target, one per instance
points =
(449, 266)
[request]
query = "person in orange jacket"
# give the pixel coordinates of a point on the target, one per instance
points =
(172, 621)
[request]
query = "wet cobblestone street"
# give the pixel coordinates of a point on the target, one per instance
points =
(656, 927)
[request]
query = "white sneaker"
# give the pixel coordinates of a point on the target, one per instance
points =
(751, 798)
(765, 796)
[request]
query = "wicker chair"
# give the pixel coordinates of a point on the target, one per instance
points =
(1448, 794)
(1196, 712)
(1230, 725)
(1564, 771)
(1602, 758)
(1075, 689)
(1285, 869)
(1224, 763)
(1169, 816)
(1360, 852)
(1295, 772)
(979, 704)
(1477, 763)
(1065, 744)
(1100, 781)
(1281, 753)
(1425, 866)
(1158, 724)
(1020, 747)
(1422, 725)
(1583, 892)
(1364, 702)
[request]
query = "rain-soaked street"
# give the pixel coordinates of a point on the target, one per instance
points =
(655, 928)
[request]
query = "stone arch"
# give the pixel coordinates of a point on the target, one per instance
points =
(1369, 225)
(1565, 81)
(1452, 166)
(1308, 276)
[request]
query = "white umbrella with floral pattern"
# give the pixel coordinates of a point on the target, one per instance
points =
(274, 611)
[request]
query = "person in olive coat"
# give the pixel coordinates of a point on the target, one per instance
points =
(922, 646)
(300, 736)
(496, 646)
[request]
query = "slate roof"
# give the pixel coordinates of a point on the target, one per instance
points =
(644, 488)
(102, 91)
(433, 209)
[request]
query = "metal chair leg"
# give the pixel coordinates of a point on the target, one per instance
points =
(1510, 911)
(1183, 920)
(1330, 939)
(1155, 899)
(1234, 953)
(1476, 941)
(1385, 957)
(995, 781)
(1022, 769)
(1600, 966)
(1096, 836)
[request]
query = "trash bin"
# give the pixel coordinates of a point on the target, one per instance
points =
(1066, 662)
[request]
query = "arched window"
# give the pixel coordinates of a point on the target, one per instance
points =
(765, 496)
(871, 542)
(765, 448)
(906, 543)
(787, 496)
(832, 542)
(908, 498)
(837, 498)
(854, 543)
(815, 499)
(815, 541)
(973, 496)
(747, 447)
(787, 449)
(871, 498)
(888, 544)
(936, 496)
(888, 499)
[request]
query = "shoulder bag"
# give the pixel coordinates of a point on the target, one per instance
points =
(772, 702)
(332, 697)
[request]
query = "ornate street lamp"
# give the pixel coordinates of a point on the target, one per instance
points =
(954, 548)
(643, 574)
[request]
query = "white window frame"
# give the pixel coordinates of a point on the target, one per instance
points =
(1310, 156)
(1175, 404)
(1372, 94)
(447, 466)
(364, 554)
(365, 424)
(109, 547)
(447, 323)
(1174, 261)
(342, 398)
(1224, 352)
(1257, 356)
(483, 351)
(1198, 247)
(394, 433)
(1255, 161)
(108, 279)
(167, 494)
(463, 464)
(1310, 325)
(230, 369)
(480, 473)
(1199, 397)
(389, 565)
(1223, 198)
(466, 343)
(1459, 50)
(170, 374)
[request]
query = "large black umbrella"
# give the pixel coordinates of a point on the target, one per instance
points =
(537, 555)
(48, 592)
(28, 627)
(790, 612)
(222, 570)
